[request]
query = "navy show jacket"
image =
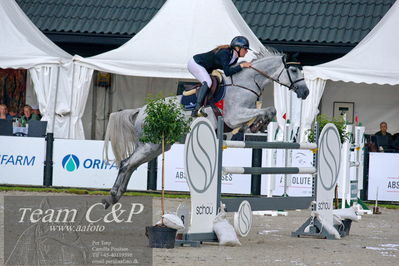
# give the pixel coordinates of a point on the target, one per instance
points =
(218, 59)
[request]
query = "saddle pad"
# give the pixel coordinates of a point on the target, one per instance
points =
(189, 102)
(219, 94)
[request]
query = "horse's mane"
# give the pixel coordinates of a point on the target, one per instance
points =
(266, 52)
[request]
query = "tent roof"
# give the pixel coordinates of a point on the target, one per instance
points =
(179, 30)
(22, 45)
(374, 60)
(318, 21)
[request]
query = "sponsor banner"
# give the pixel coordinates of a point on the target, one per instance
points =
(76, 230)
(297, 184)
(175, 179)
(79, 163)
(234, 183)
(383, 176)
(301, 185)
(22, 160)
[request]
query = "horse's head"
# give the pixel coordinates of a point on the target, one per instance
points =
(293, 78)
(288, 74)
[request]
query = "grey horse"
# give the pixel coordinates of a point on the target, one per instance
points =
(242, 92)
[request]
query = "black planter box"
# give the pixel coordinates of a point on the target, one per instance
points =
(161, 237)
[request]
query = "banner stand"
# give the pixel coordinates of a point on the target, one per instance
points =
(48, 163)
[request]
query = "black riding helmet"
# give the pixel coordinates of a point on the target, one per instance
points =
(240, 41)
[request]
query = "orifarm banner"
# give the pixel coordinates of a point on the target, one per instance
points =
(22, 160)
(79, 163)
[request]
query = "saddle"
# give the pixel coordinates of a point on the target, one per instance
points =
(214, 95)
(214, 99)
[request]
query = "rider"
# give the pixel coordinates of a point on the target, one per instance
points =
(222, 57)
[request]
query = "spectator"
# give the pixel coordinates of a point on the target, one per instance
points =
(35, 110)
(383, 130)
(28, 115)
(395, 144)
(12, 111)
(383, 139)
(4, 112)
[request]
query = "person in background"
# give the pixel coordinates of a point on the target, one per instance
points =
(28, 116)
(395, 143)
(383, 130)
(4, 112)
(383, 138)
(35, 110)
(12, 111)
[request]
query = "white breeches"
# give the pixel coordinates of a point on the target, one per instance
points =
(199, 72)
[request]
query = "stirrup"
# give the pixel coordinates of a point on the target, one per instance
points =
(201, 113)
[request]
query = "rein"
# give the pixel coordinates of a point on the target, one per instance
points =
(245, 88)
(286, 65)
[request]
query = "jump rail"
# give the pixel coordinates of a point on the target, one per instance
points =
(269, 170)
(269, 145)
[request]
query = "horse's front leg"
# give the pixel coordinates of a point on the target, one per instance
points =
(242, 115)
(263, 120)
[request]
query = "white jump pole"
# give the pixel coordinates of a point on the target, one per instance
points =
(344, 178)
(270, 161)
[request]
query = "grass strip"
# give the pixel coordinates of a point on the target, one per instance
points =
(81, 191)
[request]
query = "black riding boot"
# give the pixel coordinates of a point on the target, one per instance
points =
(200, 99)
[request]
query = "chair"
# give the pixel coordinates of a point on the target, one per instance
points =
(37, 128)
(5, 127)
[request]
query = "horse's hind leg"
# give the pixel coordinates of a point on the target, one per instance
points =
(124, 175)
(143, 153)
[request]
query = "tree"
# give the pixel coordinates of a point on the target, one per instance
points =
(164, 124)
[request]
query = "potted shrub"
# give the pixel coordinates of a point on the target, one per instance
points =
(164, 124)
(323, 120)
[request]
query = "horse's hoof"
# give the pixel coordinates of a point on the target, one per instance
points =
(105, 203)
(114, 199)
(257, 126)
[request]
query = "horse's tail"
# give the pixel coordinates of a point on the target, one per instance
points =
(121, 133)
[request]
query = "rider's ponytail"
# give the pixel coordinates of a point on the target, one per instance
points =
(221, 47)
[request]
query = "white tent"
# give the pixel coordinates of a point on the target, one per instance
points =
(22, 45)
(374, 60)
(179, 30)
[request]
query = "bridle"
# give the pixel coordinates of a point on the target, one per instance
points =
(291, 86)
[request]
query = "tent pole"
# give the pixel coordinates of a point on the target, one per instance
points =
(70, 114)
(48, 163)
(55, 98)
